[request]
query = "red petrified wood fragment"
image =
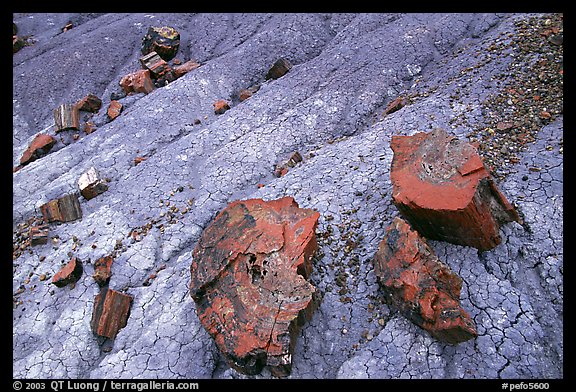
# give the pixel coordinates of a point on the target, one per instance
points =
(70, 273)
(38, 235)
(114, 109)
(39, 147)
(110, 313)
(249, 276)
(90, 103)
(103, 270)
(137, 82)
(220, 106)
(424, 289)
(65, 209)
(279, 69)
(441, 186)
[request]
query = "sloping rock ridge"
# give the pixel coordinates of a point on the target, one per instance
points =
(346, 85)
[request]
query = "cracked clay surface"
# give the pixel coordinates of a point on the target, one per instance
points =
(330, 108)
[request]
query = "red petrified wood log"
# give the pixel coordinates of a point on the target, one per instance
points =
(424, 289)
(70, 273)
(441, 186)
(249, 276)
(110, 313)
(64, 209)
(39, 147)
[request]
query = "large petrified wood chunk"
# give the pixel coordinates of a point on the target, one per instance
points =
(443, 189)
(68, 274)
(110, 313)
(66, 116)
(163, 40)
(249, 276)
(424, 289)
(39, 147)
(64, 209)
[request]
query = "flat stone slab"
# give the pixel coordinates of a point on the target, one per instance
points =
(249, 281)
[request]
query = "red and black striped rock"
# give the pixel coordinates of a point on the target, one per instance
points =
(70, 273)
(110, 313)
(39, 147)
(90, 103)
(163, 40)
(38, 235)
(64, 209)
(103, 270)
(441, 186)
(249, 279)
(420, 286)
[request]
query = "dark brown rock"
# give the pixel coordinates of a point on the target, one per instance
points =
(110, 313)
(420, 286)
(114, 109)
(103, 270)
(248, 92)
(39, 147)
(90, 103)
(395, 105)
(249, 276)
(441, 186)
(65, 209)
(70, 273)
(279, 69)
(91, 185)
(38, 235)
(163, 40)
(66, 117)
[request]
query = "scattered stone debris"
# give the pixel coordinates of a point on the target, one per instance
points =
(137, 82)
(68, 26)
(69, 274)
(38, 235)
(441, 186)
(220, 106)
(163, 40)
(21, 240)
(64, 209)
(249, 279)
(19, 42)
(281, 168)
(91, 185)
(110, 313)
(39, 147)
(279, 69)
(423, 288)
(153, 275)
(89, 127)
(66, 117)
(103, 270)
(90, 103)
(114, 109)
(138, 160)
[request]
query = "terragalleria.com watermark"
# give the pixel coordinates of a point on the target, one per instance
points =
(103, 385)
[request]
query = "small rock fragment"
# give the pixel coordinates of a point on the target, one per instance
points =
(291, 160)
(89, 127)
(90, 103)
(183, 69)
(420, 286)
(39, 147)
(110, 313)
(138, 160)
(220, 106)
(395, 105)
(91, 185)
(248, 92)
(68, 274)
(38, 235)
(114, 109)
(103, 270)
(279, 69)
(137, 82)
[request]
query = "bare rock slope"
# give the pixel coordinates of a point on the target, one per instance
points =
(171, 164)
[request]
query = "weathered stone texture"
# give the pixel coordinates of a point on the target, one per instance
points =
(103, 270)
(444, 190)
(137, 82)
(64, 209)
(423, 288)
(91, 184)
(163, 40)
(279, 69)
(249, 281)
(110, 313)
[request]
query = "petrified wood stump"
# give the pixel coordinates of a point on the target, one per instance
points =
(66, 116)
(249, 276)
(441, 186)
(424, 289)
(64, 209)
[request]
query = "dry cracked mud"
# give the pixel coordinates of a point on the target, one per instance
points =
(330, 107)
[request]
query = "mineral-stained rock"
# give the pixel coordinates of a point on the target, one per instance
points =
(39, 147)
(163, 40)
(185, 68)
(110, 313)
(114, 109)
(279, 69)
(91, 185)
(395, 105)
(154, 64)
(38, 235)
(441, 186)
(249, 276)
(90, 103)
(137, 82)
(220, 106)
(248, 92)
(103, 270)
(65, 209)
(66, 116)
(70, 273)
(423, 288)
